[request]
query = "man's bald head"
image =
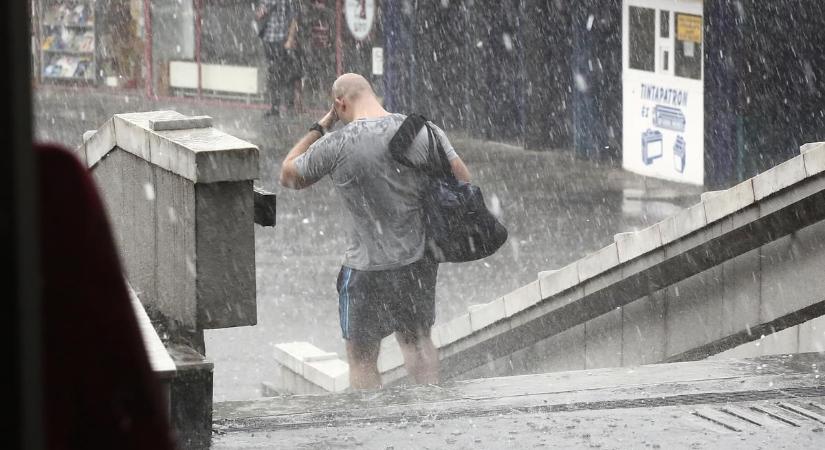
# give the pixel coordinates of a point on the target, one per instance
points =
(352, 87)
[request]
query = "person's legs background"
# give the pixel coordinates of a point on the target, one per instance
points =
(271, 71)
(278, 74)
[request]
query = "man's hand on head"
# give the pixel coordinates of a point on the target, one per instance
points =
(329, 119)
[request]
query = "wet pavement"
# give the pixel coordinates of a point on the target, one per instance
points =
(557, 209)
(769, 402)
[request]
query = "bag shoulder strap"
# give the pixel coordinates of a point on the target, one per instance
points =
(442, 167)
(437, 165)
(404, 137)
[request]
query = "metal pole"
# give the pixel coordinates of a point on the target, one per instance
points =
(147, 47)
(198, 6)
(339, 53)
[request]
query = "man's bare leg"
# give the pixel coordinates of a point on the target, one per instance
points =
(420, 355)
(363, 364)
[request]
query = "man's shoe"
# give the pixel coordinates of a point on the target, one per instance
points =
(272, 113)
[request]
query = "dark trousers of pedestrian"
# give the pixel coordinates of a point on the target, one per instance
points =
(281, 74)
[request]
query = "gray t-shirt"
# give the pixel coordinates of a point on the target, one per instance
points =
(382, 196)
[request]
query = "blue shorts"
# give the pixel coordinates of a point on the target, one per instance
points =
(372, 304)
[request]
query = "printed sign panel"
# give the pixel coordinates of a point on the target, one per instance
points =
(377, 61)
(663, 99)
(689, 28)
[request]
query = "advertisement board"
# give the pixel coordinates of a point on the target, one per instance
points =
(663, 92)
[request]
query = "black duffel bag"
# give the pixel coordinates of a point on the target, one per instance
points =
(459, 227)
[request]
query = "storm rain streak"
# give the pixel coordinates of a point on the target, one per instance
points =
(675, 97)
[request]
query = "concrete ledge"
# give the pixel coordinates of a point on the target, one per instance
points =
(522, 298)
(634, 244)
(332, 374)
(180, 124)
(187, 146)
(293, 354)
(486, 314)
(162, 363)
(100, 143)
(265, 207)
(454, 330)
(598, 262)
(811, 146)
(729, 201)
(814, 157)
(780, 177)
(313, 365)
(555, 281)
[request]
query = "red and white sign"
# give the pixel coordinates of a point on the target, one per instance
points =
(360, 15)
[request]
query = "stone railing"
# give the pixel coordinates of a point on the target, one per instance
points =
(180, 198)
(305, 369)
(743, 263)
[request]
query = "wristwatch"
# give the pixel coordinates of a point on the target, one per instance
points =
(317, 127)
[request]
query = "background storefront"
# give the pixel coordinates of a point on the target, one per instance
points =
(90, 42)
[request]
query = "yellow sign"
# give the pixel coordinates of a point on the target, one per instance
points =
(689, 28)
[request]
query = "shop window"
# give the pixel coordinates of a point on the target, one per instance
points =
(687, 50)
(642, 45)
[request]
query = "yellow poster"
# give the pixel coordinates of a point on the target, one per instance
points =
(689, 28)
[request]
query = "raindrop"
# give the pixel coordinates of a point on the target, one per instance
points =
(581, 82)
(508, 41)
(590, 22)
(149, 191)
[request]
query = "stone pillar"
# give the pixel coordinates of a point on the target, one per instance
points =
(180, 199)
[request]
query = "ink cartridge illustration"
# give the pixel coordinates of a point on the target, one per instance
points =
(679, 154)
(651, 145)
(668, 117)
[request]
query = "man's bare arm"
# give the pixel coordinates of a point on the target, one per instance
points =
(292, 35)
(289, 172)
(461, 172)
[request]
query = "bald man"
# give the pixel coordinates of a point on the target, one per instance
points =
(387, 282)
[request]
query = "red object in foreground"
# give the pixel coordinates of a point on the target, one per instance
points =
(99, 389)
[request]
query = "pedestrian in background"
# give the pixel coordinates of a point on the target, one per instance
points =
(278, 22)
